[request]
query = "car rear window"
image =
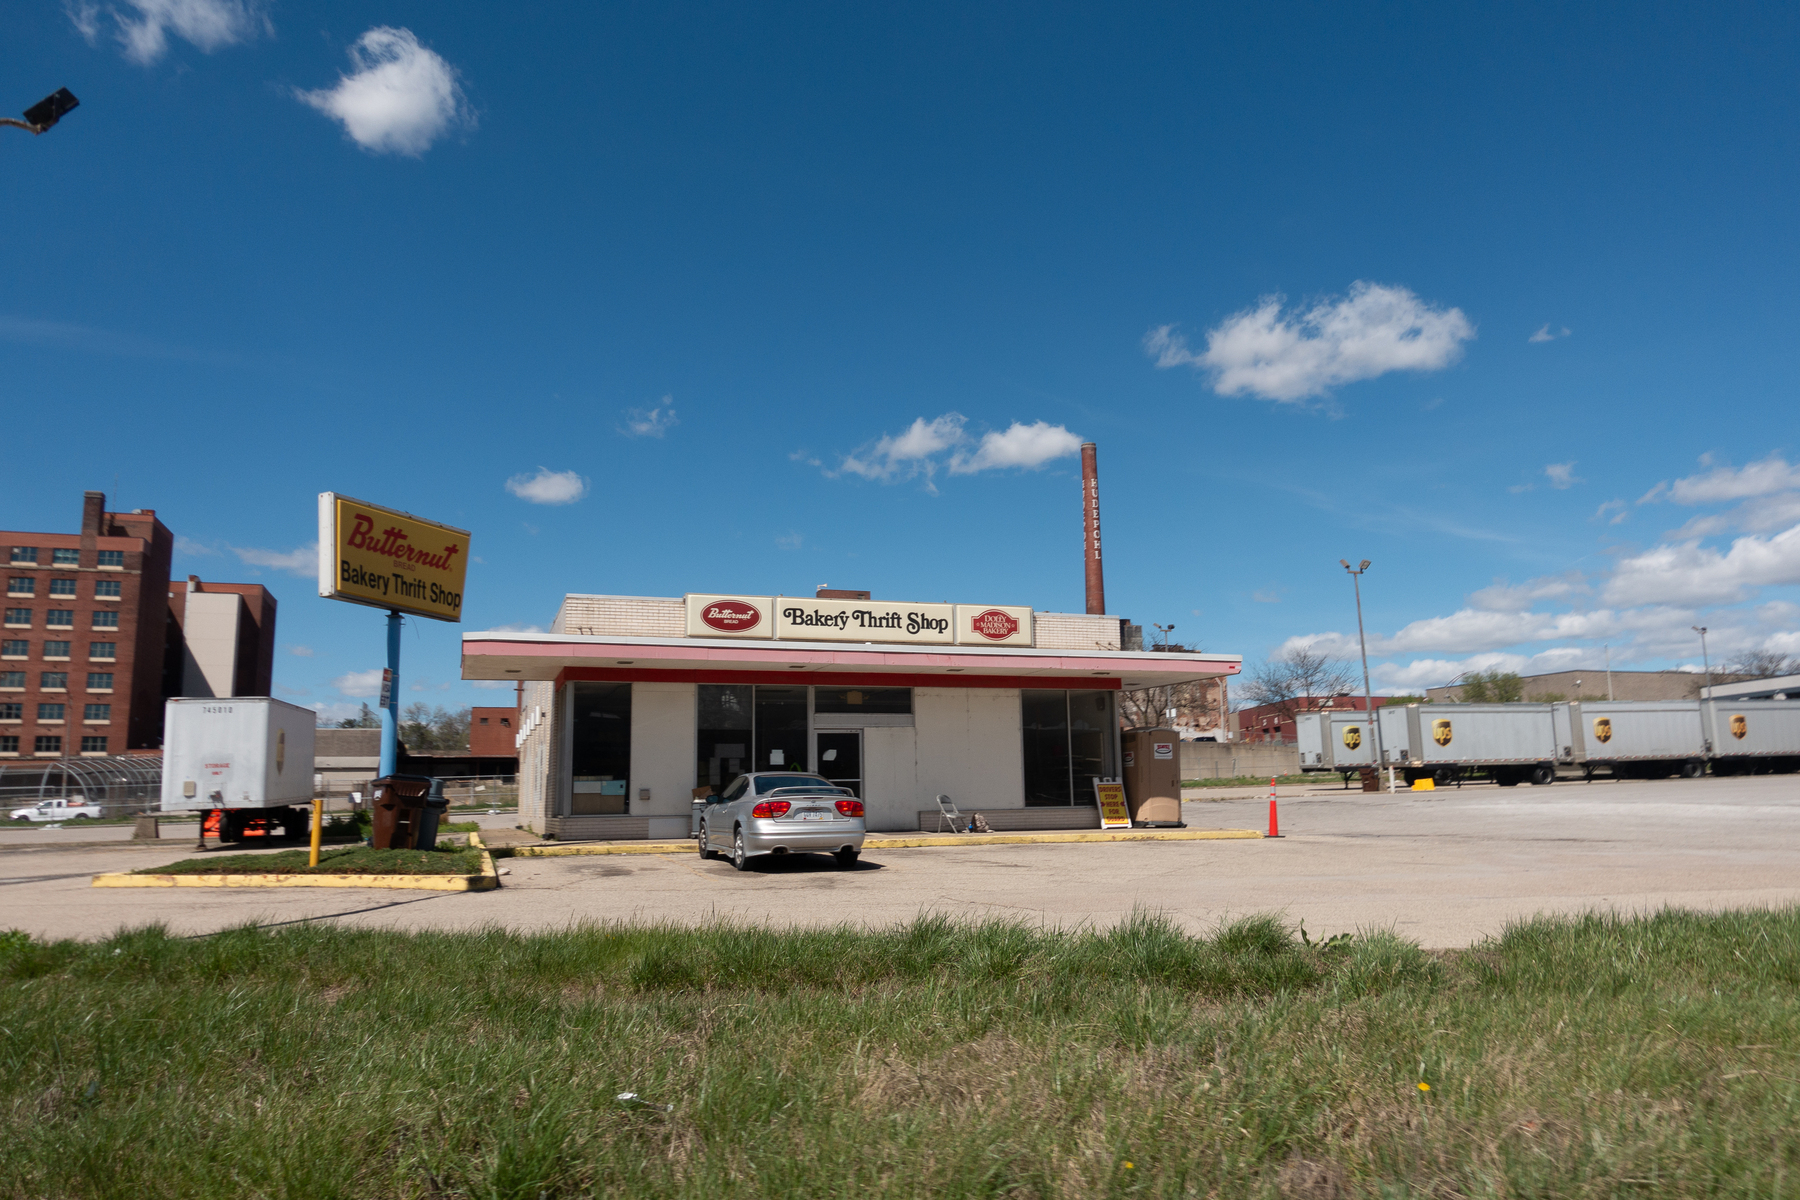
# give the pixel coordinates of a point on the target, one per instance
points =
(768, 783)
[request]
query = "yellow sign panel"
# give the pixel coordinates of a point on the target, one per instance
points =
(390, 559)
(1114, 814)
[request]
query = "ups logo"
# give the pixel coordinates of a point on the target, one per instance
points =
(1602, 729)
(1352, 736)
(1440, 731)
(1739, 726)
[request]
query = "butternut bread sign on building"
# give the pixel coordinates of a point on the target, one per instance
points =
(805, 619)
(389, 559)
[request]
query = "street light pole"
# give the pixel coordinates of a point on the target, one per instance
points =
(45, 113)
(1711, 735)
(1363, 641)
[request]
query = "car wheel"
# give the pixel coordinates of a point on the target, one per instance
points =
(79, 817)
(707, 853)
(740, 857)
(23, 820)
(846, 859)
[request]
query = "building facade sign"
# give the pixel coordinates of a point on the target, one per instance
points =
(389, 559)
(804, 619)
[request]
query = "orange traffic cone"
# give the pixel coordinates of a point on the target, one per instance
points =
(1274, 821)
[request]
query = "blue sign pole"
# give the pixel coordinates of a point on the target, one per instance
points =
(390, 700)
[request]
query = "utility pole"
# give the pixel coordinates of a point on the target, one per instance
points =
(1709, 736)
(1363, 641)
(1608, 649)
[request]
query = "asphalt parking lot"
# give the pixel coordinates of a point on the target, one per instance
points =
(1444, 868)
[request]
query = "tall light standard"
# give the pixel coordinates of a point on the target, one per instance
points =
(1710, 735)
(1165, 631)
(1368, 696)
(45, 113)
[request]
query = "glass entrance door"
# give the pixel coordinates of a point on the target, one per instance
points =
(840, 758)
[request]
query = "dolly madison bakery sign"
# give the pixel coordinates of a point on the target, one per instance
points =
(799, 619)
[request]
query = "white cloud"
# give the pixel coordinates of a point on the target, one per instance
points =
(789, 541)
(918, 451)
(1295, 356)
(1618, 508)
(330, 713)
(303, 562)
(1691, 573)
(187, 545)
(1504, 597)
(1545, 335)
(1267, 596)
(1562, 475)
(1772, 474)
(548, 487)
(401, 98)
(359, 683)
(1019, 445)
(143, 26)
(301, 651)
(650, 422)
(516, 627)
(1761, 514)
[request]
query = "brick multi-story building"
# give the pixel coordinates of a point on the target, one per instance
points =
(88, 632)
(1276, 722)
(493, 732)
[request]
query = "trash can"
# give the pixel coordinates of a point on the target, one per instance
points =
(397, 810)
(1371, 779)
(435, 805)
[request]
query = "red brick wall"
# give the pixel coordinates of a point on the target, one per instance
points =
(495, 737)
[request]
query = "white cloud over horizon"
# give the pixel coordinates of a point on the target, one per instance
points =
(143, 26)
(944, 442)
(303, 561)
(548, 487)
(650, 422)
(359, 684)
(1545, 334)
(400, 98)
(1294, 356)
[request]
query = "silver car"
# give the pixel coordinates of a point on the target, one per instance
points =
(781, 812)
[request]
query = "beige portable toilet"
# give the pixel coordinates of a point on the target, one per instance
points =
(1153, 776)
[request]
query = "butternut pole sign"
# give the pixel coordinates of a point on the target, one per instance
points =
(389, 559)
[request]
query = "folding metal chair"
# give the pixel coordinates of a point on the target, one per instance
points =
(947, 812)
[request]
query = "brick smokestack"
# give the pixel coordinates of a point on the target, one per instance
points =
(1090, 515)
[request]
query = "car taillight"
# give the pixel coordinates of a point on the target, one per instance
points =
(850, 808)
(771, 808)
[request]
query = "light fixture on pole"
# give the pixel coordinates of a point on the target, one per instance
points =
(1165, 630)
(1368, 696)
(1709, 735)
(46, 112)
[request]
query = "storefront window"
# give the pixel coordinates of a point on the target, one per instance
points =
(1068, 741)
(600, 747)
(723, 746)
(862, 700)
(781, 728)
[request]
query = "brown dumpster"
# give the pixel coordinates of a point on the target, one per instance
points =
(1371, 779)
(397, 810)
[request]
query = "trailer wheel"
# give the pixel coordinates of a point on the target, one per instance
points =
(1542, 775)
(1444, 776)
(231, 827)
(1693, 768)
(294, 822)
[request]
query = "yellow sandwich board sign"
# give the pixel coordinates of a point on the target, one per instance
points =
(389, 559)
(1114, 814)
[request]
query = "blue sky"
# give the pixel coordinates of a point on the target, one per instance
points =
(1499, 298)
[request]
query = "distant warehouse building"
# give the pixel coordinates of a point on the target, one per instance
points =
(95, 640)
(1595, 685)
(634, 705)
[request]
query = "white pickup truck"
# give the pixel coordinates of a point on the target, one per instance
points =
(58, 808)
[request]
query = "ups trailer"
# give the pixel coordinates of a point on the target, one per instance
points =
(1510, 743)
(1632, 739)
(246, 759)
(1754, 737)
(1341, 741)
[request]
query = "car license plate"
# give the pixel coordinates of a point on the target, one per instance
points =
(813, 814)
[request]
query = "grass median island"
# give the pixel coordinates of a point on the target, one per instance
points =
(1239, 781)
(340, 860)
(1585, 1058)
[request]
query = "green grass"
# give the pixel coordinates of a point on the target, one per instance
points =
(1238, 781)
(1587, 1058)
(347, 860)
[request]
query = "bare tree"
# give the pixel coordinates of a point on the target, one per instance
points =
(1289, 681)
(1760, 664)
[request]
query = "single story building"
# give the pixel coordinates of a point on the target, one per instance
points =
(632, 705)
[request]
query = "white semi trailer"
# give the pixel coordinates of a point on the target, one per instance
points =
(1540, 743)
(247, 758)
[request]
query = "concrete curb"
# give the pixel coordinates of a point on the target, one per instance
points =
(486, 881)
(912, 843)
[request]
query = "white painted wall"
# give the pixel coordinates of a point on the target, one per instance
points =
(970, 746)
(209, 627)
(890, 778)
(663, 733)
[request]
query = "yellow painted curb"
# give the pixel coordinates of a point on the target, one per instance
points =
(486, 881)
(903, 843)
